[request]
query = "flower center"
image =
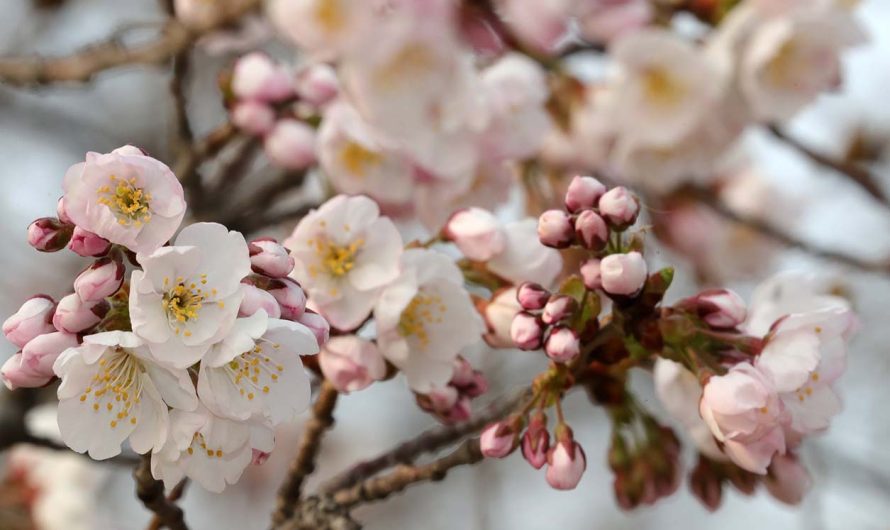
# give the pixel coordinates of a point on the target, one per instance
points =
(661, 88)
(116, 386)
(199, 441)
(183, 301)
(128, 202)
(254, 371)
(422, 310)
(335, 260)
(357, 159)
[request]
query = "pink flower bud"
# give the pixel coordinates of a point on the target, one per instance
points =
(469, 382)
(463, 372)
(291, 144)
(257, 77)
(317, 324)
(41, 352)
(269, 258)
(317, 84)
(87, 244)
(100, 280)
(253, 117)
(536, 441)
(351, 363)
(48, 234)
(74, 315)
(619, 207)
(559, 307)
(583, 192)
(443, 399)
(562, 345)
(623, 274)
(256, 299)
(527, 331)
(33, 318)
(555, 229)
(565, 465)
(788, 481)
(591, 274)
(17, 374)
(532, 296)
(477, 233)
(498, 440)
(591, 230)
(461, 411)
(721, 308)
(290, 297)
(259, 457)
(61, 213)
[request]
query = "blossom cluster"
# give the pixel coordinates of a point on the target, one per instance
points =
(192, 355)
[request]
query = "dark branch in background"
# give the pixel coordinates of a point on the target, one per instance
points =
(234, 169)
(254, 212)
(377, 488)
(151, 493)
(83, 65)
(856, 173)
(428, 442)
(262, 220)
(174, 495)
(183, 136)
(710, 200)
(186, 166)
(304, 463)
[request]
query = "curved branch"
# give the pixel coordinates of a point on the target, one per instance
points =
(83, 65)
(151, 493)
(304, 463)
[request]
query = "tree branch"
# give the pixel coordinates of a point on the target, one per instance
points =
(856, 173)
(151, 493)
(378, 488)
(83, 65)
(304, 463)
(428, 442)
(710, 200)
(174, 495)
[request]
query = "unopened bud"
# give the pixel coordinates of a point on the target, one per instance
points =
(257, 77)
(351, 363)
(291, 145)
(61, 213)
(87, 244)
(33, 318)
(583, 192)
(591, 230)
(270, 258)
(566, 463)
(74, 315)
(555, 229)
(290, 297)
(559, 307)
(619, 207)
(532, 296)
(317, 84)
(591, 274)
(41, 352)
(562, 345)
(527, 331)
(100, 280)
(254, 117)
(536, 441)
(498, 440)
(477, 233)
(623, 274)
(317, 324)
(48, 234)
(256, 299)
(721, 308)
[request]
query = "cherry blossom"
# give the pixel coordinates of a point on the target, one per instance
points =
(188, 294)
(125, 197)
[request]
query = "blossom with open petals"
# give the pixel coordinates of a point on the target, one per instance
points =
(126, 197)
(256, 372)
(112, 390)
(345, 252)
(210, 450)
(188, 294)
(425, 318)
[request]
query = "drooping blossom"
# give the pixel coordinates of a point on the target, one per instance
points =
(113, 390)
(425, 318)
(208, 449)
(499, 313)
(345, 252)
(33, 318)
(188, 294)
(126, 197)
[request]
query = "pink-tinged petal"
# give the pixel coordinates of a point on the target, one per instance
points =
(789, 358)
(755, 456)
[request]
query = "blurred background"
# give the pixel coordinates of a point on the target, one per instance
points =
(45, 130)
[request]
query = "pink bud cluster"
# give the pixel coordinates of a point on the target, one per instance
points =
(271, 290)
(264, 89)
(546, 320)
(51, 234)
(452, 403)
(565, 458)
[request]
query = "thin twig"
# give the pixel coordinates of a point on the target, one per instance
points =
(182, 129)
(174, 495)
(188, 161)
(86, 63)
(151, 493)
(378, 488)
(856, 173)
(710, 200)
(428, 442)
(304, 463)
(272, 218)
